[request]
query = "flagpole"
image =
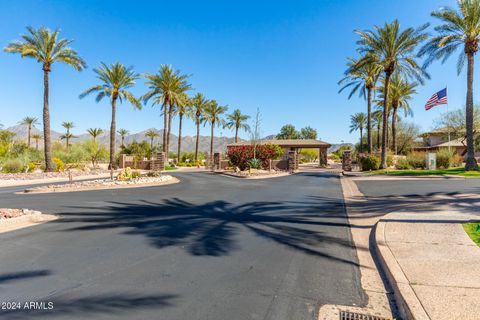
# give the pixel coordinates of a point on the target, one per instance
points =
(448, 121)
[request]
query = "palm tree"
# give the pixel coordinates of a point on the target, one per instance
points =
(213, 115)
(30, 122)
(95, 132)
(358, 121)
(377, 117)
(401, 91)
(123, 133)
(44, 46)
(36, 137)
(237, 120)
(199, 104)
(183, 108)
(116, 80)
(460, 29)
(166, 88)
(393, 50)
(67, 136)
(152, 134)
(362, 79)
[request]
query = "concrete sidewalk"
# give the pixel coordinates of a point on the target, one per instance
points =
(431, 263)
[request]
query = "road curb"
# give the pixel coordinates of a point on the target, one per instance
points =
(408, 303)
(7, 225)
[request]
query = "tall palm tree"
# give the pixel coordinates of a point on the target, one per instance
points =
(94, 132)
(123, 133)
(213, 115)
(167, 87)
(237, 120)
(358, 121)
(30, 122)
(67, 136)
(377, 117)
(37, 138)
(460, 29)
(183, 108)
(152, 134)
(363, 79)
(44, 46)
(393, 50)
(401, 91)
(116, 80)
(199, 104)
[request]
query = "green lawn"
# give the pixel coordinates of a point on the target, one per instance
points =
(473, 231)
(168, 168)
(459, 171)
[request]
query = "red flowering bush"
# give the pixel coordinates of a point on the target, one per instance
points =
(239, 156)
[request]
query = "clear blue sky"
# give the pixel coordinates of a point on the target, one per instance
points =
(284, 57)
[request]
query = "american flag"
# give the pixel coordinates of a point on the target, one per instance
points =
(438, 98)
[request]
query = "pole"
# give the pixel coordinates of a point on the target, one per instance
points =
(448, 121)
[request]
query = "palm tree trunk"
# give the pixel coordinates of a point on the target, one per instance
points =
(383, 163)
(236, 134)
(123, 141)
(170, 116)
(394, 127)
(151, 144)
(29, 134)
(46, 123)
(361, 139)
(378, 136)
(164, 147)
(36, 144)
(471, 163)
(211, 145)
(369, 119)
(112, 133)
(179, 136)
(197, 139)
(66, 142)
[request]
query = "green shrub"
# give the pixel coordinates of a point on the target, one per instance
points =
(136, 174)
(59, 164)
(416, 160)
(12, 166)
(444, 158)
(389, 160)
(255, 163)
(402, 164)
(370, 163)
(31, 166)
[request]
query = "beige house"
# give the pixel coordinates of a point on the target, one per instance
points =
(437, 139)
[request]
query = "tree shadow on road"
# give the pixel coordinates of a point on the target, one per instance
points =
(20, 275)
(209, 229)
(88, 307)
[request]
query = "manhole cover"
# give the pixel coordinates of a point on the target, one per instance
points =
(346, 315)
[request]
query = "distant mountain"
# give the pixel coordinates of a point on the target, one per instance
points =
(188, 142)
(337, 146)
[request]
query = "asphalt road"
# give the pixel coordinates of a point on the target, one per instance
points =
(210, 247)
(422, 195)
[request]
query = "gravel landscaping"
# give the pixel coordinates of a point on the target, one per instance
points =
(7, 213)
(47, 175)
(104, 184)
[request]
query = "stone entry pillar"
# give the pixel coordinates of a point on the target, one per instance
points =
(292, 161)
(158, 164)
(347, 160)
(216, 161)
(322, 157)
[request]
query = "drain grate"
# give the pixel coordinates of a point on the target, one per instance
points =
(346, 315)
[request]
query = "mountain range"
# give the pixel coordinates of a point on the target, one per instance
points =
(188, 142)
